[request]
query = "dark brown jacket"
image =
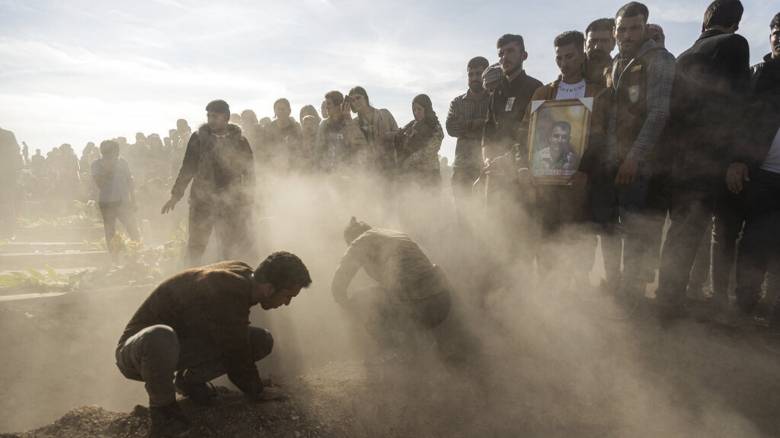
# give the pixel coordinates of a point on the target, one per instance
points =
(762, 115)
(505, 114)
(711, 87)
(210, 303)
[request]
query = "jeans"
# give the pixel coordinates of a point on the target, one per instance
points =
(155, 353)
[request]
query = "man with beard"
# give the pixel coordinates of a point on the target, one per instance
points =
(558, 206)
(220, 164)
(640, 80)
(283, 138)
(656, 33)
(378, 127)
(714, 80)
(504, 141)
(341, 145)
(599, 44)
(465, 121)
(194, 327)
(502, 134)
(755, 173)
(559, 157)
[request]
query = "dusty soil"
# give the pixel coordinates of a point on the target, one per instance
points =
(572, 369)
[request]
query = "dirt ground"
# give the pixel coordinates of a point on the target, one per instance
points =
(576, 368)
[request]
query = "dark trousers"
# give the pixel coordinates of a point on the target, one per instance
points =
(760, 242)
(691, 213)
(692, 208)
(113, 211)
(729, 218)
(155, 353)
(232, 227)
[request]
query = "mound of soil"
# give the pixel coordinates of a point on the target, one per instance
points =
(231, 416)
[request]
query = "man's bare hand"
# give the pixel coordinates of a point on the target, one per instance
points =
(628, 172)
(736, 176)
(169, 205)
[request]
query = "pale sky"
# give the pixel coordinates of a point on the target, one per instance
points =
(77, 71)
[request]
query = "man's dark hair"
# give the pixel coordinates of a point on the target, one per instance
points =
(309, 110)
(724, 13)
(571, 37)
(479, 62)
(109, 147)
(282, 100)
(354, 229)
(633, 9)
(361, 91)
(283, 269)
(561, 124)
(601, 24)
(510, 38)
(335, 97)
(775, 21)
(218, 106)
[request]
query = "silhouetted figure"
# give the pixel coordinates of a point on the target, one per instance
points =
(10, 166)
(466, 121)
(116, 195)
(194, 327)
(220, 165)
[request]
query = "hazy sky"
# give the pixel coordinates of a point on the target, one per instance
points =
(77, 71)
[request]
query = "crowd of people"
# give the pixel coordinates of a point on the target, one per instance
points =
(690, 140)
(691, 143)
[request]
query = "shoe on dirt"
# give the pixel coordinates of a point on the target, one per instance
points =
(268, 394)
(168, 421)
(199, 392)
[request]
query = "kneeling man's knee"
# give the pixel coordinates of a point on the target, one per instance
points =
(262, 342)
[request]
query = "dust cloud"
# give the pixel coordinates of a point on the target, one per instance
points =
(520, 355)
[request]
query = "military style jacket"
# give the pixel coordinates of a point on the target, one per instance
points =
(393, 260)
(641, 89)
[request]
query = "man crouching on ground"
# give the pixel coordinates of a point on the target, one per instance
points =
(196, 325)
(412, 292)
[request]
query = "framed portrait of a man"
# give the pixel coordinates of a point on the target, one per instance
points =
(558, 138)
